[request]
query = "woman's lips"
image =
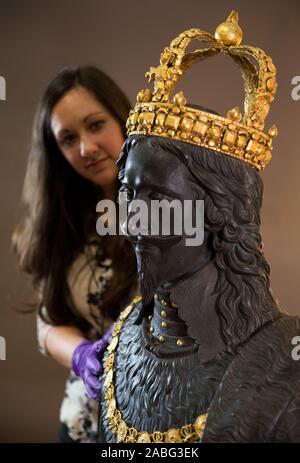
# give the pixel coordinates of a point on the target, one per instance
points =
(95, 165)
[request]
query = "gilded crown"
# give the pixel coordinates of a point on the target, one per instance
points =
(237, 135)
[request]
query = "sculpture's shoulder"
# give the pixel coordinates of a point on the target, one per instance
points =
(261, 388)
(274, 346)
(287, 428)
(284, 350)
(269, 357)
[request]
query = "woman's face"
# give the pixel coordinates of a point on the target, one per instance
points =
(87, 135)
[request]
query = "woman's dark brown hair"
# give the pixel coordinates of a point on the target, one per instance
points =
(60, 207)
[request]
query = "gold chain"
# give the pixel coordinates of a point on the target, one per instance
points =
(124, 433)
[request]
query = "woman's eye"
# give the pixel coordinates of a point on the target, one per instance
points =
(68, 140)
(94, 126)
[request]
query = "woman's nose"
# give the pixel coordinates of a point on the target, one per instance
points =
(88, 148)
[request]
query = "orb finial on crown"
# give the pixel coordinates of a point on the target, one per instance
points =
(229, 32)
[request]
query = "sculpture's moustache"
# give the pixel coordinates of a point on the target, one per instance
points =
(149, 241)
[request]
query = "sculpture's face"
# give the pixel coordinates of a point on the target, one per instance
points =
(159, 175)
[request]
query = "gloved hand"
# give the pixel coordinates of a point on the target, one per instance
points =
(86, 362)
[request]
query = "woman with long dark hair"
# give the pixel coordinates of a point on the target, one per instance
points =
(82, 279)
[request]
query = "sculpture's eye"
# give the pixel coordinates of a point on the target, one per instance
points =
(126, 195)
(154, 195)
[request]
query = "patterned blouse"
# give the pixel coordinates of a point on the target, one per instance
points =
(88, 279)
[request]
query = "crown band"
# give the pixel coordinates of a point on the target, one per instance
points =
(203, 129)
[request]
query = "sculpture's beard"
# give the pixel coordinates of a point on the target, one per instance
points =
(148, 265)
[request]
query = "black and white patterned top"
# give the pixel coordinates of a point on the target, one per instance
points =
(88, 279)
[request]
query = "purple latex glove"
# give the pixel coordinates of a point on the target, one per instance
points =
(86, 362)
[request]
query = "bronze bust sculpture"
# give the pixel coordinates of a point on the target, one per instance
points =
(205, 355)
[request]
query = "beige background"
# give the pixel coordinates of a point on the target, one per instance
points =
(37, 39)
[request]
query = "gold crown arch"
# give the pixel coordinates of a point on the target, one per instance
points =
(235, 135)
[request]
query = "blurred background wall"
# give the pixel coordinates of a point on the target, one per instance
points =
(37, 39)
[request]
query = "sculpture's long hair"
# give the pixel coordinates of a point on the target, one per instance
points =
(232, 193)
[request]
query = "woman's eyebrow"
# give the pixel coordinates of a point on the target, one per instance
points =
(91, 114)
(63, 132)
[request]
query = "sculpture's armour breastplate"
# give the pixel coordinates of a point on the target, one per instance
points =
(156, 394)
